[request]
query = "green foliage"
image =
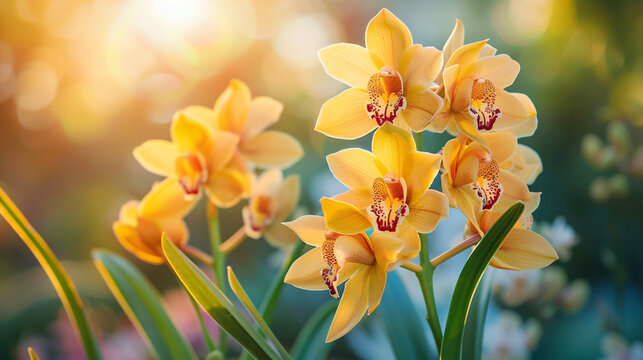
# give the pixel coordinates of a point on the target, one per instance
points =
(215, 303)
(469, 279)
(142, 304)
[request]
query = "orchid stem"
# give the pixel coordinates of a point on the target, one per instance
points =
(455, 250)
(411, 266)
(218, 265)
(198, 254)
(425, 278)
(233, 241)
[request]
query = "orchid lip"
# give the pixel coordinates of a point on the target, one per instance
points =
(389, 208)
(386, 95)
(483, 108)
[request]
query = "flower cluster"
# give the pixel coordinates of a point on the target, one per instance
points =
(402, 88)
(214, 151)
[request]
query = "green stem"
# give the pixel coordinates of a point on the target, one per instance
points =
(425, 278)
(204, 330)
(269, 303)
(218, 266)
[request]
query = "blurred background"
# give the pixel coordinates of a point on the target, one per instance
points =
(84, 82)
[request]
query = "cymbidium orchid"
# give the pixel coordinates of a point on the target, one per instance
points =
(525, 163)
(390, 81)
(391, 184)
(474, 180)
(236, 112)
(273, 198)
(197, 157)
(343, 252)
(522, 249)
(473, 83)
(141, 224)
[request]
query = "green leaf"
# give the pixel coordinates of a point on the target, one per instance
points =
(474, 327)
(311, 342)
(404, 328)
(54, 270)
(247, 303)
(469, 278)
(142, 304)
(215, 303)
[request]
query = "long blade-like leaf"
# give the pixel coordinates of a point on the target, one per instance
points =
(247, 303)
(310, 343)
(215, 303)
(142, 304)
(474, 327)
(469, 278)
(56, 273)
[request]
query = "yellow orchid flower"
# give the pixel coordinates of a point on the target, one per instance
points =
(473, 81)
(273, 198)
(235, 111)
(522, 249)
(390, 81)
(141, 224)
(525, 163)
(360, 260)
(197, 157)
(474, 180)
(391, 183)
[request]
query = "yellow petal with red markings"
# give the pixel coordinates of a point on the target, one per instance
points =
(344, 218)
(391, 146)
(166, 199)
(352, 305)
(311, 229)
(388, 37)
(428, 211)
(356, 168)
(345, 116)
(157, 156)
(349, 63)
(525, 250)
(272, 149)
(304, 273)
(263, 111)
(231, 108)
